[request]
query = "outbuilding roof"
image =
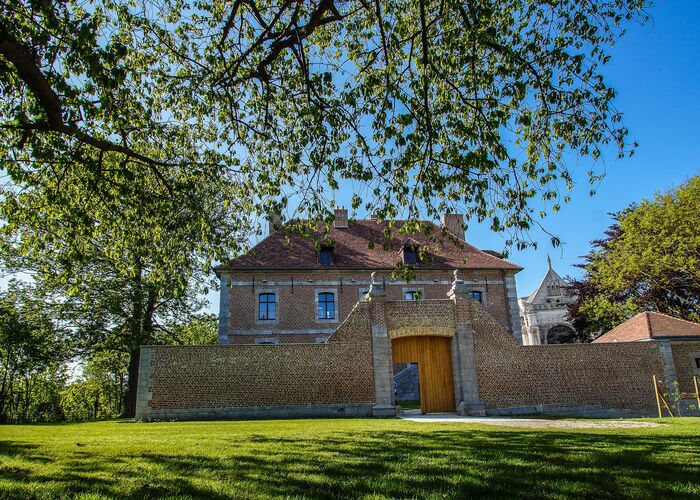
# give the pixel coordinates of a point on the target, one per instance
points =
(651, 325)
(361, 246)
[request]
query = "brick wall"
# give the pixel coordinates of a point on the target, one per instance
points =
(610, 375)
(348, 370)
(195, 381)
(425, 317)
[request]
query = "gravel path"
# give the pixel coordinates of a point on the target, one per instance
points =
(532, 423)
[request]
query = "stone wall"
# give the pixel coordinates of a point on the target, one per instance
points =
(229, 381)
(617, 376)
(406, 383)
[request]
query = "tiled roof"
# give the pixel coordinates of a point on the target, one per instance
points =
(282, 250)
(651, 326)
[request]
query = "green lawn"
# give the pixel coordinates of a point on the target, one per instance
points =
(345, 458)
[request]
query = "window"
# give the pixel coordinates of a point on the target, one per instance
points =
(326, 305)
(325, 256)
(477, 295)
(410, 255)
(697, 362)
(267, 307)
(413, 295)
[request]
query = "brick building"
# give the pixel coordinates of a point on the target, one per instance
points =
(288, 289)
(318, 331)
(468, 362)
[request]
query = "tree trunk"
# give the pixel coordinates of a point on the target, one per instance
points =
(120, 400)
(96, 404)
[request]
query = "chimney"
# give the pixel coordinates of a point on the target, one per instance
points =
(274, 222)
(340, 221)
(454, 223)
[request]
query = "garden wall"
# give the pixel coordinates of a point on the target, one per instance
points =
(512, 378)
(240, 381)
(346, 376)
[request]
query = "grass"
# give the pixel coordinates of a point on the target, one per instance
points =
(345, 458)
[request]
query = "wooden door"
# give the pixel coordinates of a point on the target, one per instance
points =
(434, 358)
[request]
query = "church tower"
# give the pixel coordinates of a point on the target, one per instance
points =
(543, 313)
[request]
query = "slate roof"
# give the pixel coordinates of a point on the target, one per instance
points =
(651, 326)
(284, 251)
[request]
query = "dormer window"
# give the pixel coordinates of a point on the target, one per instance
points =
(325, 256)
(410, 255)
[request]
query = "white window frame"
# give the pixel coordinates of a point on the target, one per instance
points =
(276, 293)
(336, 303)
(405, 290)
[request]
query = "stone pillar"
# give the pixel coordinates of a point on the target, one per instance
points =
(143, 388)
(381, 349)
(224, 310)
(670, 376)
(463, 359)
(534, 328)
(512, 306)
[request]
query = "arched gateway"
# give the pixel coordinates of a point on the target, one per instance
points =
(437, 336)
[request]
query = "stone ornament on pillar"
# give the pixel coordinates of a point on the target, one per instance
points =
(376, 288)
(464, 358)
(459, 287)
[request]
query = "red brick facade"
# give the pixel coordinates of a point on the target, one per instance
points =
(296, 292)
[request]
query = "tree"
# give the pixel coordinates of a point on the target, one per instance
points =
(32, 352)
(197, 329)
(120, 271)
(648, 261)
(429, 104)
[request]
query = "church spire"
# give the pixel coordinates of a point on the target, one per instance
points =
(549, 262)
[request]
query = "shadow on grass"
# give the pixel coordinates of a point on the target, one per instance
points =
(445, 463)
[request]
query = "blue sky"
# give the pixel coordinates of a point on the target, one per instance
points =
(656, 71)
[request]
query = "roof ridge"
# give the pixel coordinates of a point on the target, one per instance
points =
(672, 317)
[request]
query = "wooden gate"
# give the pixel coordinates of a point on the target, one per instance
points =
(434, 358)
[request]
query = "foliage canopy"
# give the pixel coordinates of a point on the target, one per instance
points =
(427, 105)
(648, 261)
